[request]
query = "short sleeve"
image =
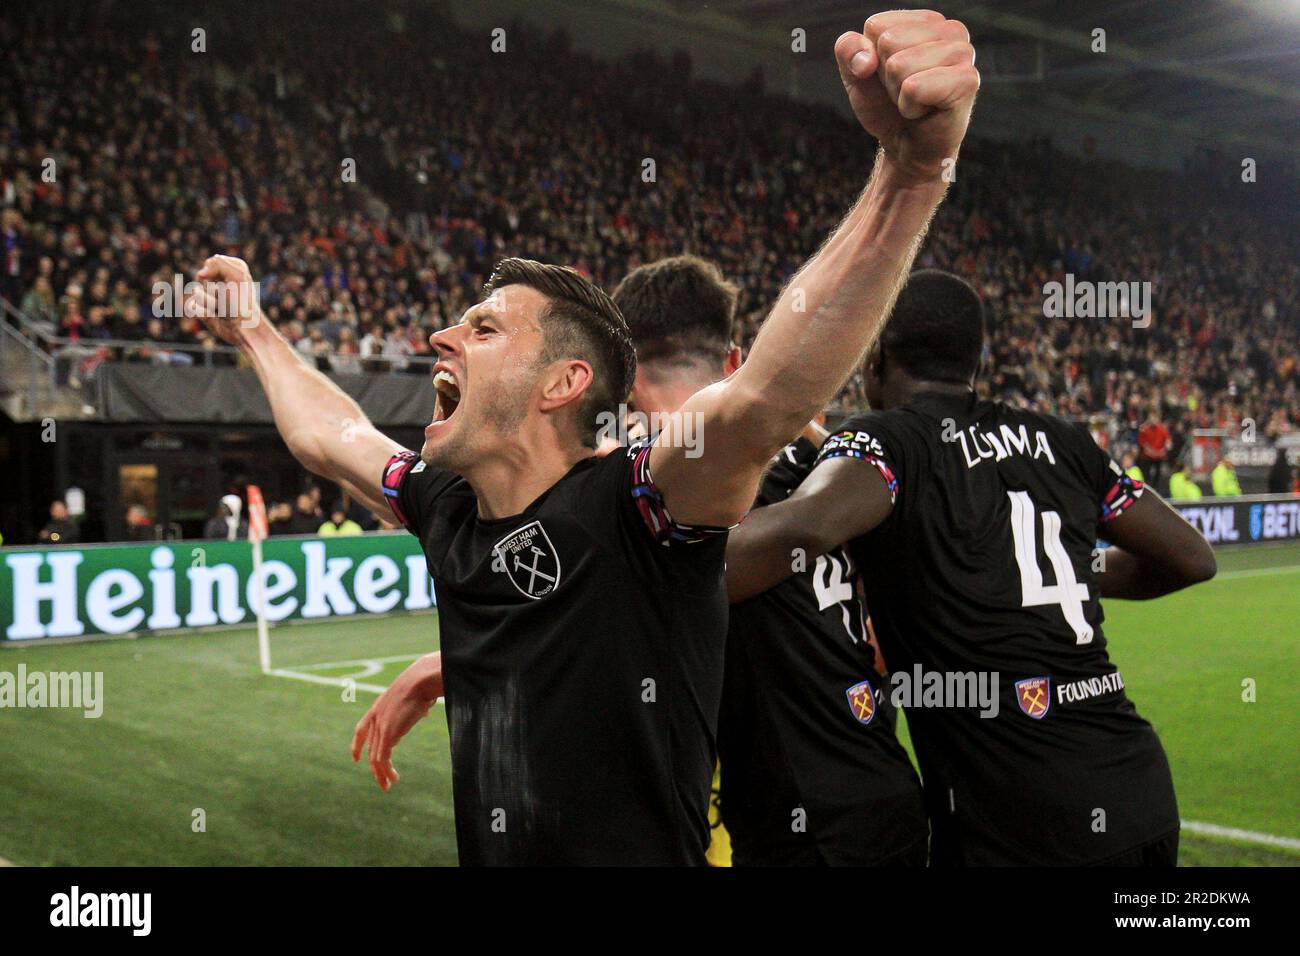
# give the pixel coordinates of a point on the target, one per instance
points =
(866, 439)
(1113, 490)
(651, 511)
(411, 489)
(1120, 491)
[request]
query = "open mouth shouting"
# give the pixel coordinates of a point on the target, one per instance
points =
(448, 392)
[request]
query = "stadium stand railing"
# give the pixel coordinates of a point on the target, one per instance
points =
(44, 365)
(26, 372)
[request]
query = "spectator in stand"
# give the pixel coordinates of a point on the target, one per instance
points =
(339, 524)
(1128, 461)
(11, 255)
(1181, 485)
(374, 344)
(317, 347)
(1154, 443)
(279, 518)
(1223, 480)
(408, 248)
(304, 519)
(40, 306)
(60, 529)
(96, 326)
(130, 326)
(359, 513)
(1281, 477)
(226, 523)
(344, 360)
(139, 524)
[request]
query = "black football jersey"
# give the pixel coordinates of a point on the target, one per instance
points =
(987, 565)
(582, 646)
(811, 769)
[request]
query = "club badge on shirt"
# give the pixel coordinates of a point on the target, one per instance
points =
(862, 702)
(1034, 696)
(529, 559)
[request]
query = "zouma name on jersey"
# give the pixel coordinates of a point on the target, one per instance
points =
(985, 564)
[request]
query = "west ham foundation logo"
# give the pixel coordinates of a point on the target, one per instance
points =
(862, 701)
(529, 559)
(1034, 695)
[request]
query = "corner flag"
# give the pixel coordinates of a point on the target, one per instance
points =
(258, 529)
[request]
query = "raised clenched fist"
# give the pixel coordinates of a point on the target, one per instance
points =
(227, 300)
(911, 80)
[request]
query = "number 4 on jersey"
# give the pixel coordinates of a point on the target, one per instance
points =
(832, 582)
(1067, 592)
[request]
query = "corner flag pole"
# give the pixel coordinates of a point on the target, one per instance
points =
(257, 531)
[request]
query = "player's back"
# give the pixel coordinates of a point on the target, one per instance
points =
(811, 769)
(985, 570)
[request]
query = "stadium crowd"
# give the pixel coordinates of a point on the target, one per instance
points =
(126, 158)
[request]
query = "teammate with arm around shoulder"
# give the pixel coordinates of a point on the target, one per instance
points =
(975, 527)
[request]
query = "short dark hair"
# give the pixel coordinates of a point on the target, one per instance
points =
(580, 321)
(936, 329)
(680, 304)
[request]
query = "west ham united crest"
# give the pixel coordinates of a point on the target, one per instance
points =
(530, 560)
(1034, 695)
(862, 701)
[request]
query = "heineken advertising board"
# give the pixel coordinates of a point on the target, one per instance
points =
(119, 589)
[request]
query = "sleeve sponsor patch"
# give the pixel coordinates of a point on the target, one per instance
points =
(649, 501)
(855, 443)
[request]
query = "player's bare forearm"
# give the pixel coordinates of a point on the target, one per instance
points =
(405, 703)
(766, 548)
(911, 82)
(832, 310)
(1125, 577)
(1130, 578)
(1154, 552)
(323, 426)
(842, 499)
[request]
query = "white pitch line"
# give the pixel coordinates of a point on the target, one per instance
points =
(1241, 836)
(328, 681)
(1257, 572)
(362, 662)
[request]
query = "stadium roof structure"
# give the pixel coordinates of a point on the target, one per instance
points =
(1226, 70)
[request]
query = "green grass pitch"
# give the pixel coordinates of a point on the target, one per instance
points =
(190, 724)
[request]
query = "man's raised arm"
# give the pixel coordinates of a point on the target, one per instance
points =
(323, 427)
(911, 81)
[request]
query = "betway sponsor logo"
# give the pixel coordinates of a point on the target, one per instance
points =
(51, 598)
(1274, 520)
